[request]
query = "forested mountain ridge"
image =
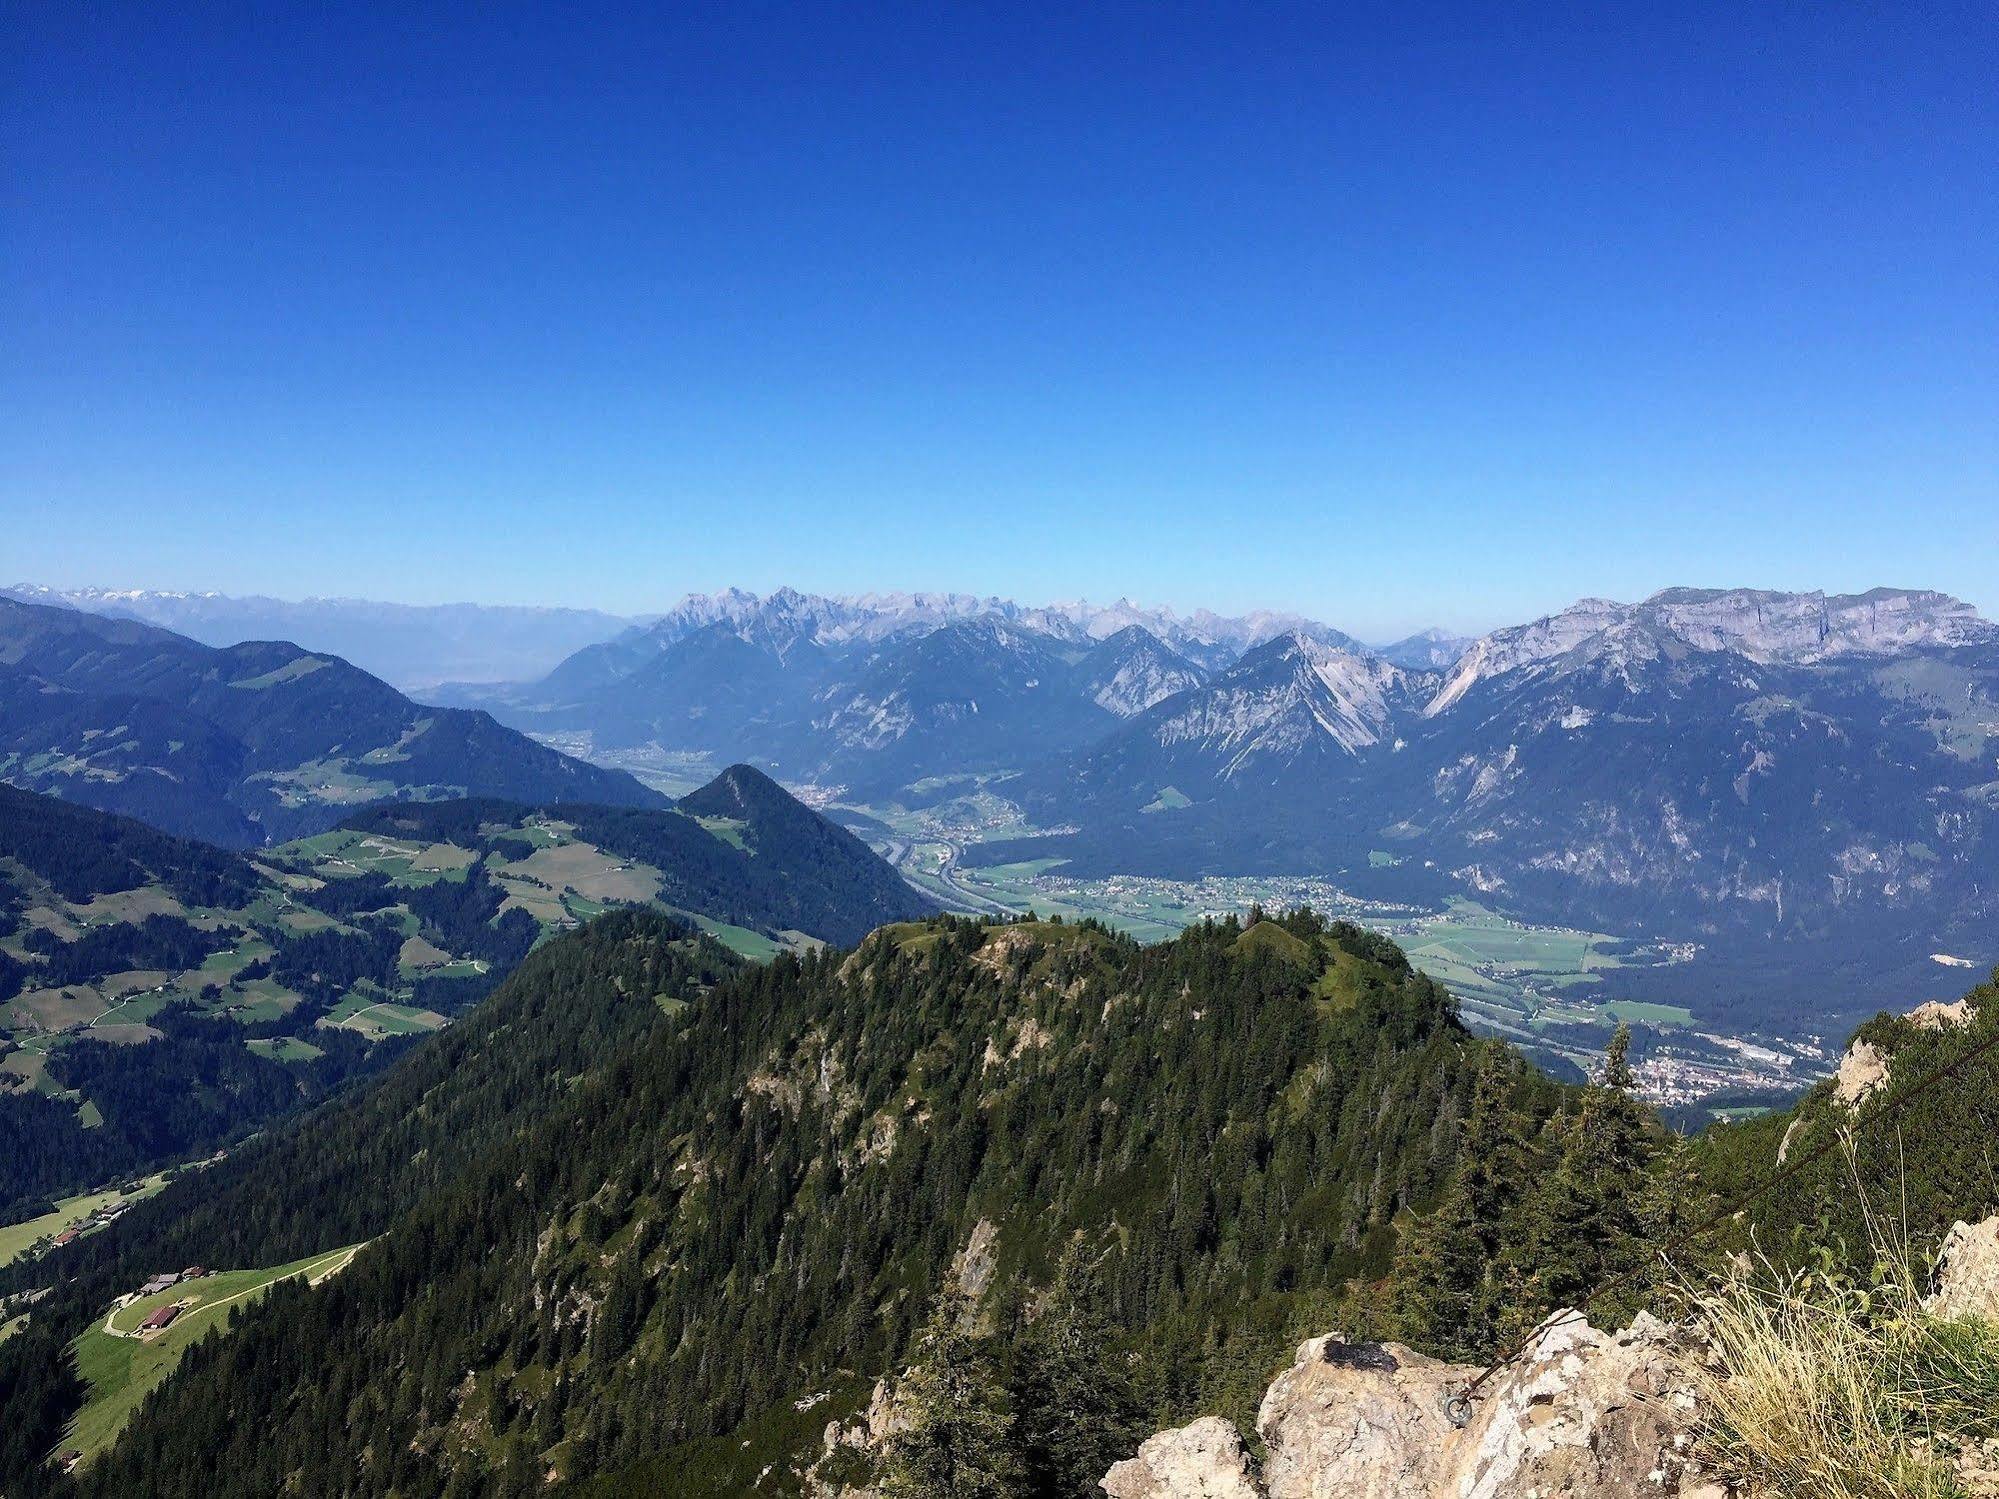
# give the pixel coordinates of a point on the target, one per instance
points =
(355, 1166)
(255, 743)
(1237, 1117)
(741, 850)
(653, 1219)
(159, 996)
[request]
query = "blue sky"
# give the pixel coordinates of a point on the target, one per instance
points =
(1395, 315)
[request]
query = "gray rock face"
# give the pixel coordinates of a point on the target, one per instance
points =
(1760, 624)
(1968, 1272)
(1582, 1414)
(1202, 1460)
(1359, 1421)
(1132, 670)
(1288, 700)
(1863, 1072)
(1586, 1414)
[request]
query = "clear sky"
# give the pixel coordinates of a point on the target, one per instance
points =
(1396, 315)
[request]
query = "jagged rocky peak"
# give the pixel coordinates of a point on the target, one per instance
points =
(1133, 669)
(1760, 624)
(1285, 697)
(1355, 675)
(1524, 645)
(1204, 637)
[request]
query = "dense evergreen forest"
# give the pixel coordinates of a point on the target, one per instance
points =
(81, 853)
(649, 1218)
(759, 1196)
(364, 1160)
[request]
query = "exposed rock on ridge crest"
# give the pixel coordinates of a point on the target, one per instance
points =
(1583, 1413)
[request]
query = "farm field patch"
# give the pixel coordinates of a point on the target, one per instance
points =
(120, 1368)
(17, 1238)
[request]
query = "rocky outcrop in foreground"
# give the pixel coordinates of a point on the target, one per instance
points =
(1583, 1413)
(1204, 1458)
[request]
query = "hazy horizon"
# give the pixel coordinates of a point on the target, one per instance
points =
(1373, 637)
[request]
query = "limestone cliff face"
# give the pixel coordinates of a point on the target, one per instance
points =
(1968, 1272)
(1863, 1070)
(1583, 1413)
(1202, 1460)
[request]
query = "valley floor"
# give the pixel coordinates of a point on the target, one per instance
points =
(1547, 988)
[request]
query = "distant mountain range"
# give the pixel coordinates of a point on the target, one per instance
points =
(1738, 770)
(1427, 650)
(411, 645)
(877, 690)
(253, 743)
(788, 623)
(1715, 765)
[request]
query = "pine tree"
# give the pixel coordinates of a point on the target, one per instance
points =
(1584, 1226)
(1445, 1290)
(960, 1438)
(1077, 1399)
(1672, 1202)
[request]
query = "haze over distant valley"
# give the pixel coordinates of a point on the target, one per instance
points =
(1726, 812)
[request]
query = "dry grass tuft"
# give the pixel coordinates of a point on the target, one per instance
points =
(1823, 1386)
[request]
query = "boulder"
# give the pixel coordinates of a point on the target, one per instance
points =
(1587, 1415)
(1968, 1272)
(1862, 1071)
(1581, 1414)
(1935, 1015)
(1360, 1421)
(1202, 1460)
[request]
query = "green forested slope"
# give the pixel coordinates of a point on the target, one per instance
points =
(1929, 1163)
(756, 1200)
(649, 1219)
(159, 996)
(741, 849)
(362, 1162)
